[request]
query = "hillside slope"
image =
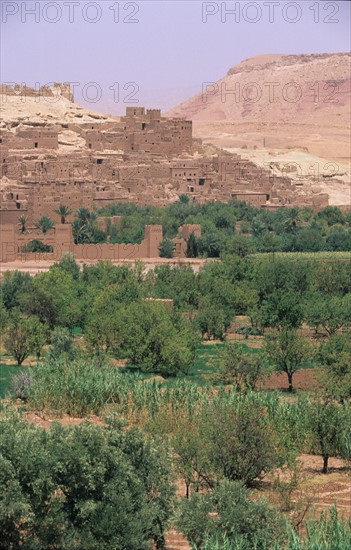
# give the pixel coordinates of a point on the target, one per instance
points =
(278, 101)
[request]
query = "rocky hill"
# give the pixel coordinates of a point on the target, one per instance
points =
(54, 151)
(48, 105)
(292, 109)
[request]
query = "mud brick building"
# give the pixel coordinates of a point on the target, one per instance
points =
(91, 160)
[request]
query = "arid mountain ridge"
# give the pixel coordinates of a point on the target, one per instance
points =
(272, 89)
(285, 109)
(251, 113)
(279, 60)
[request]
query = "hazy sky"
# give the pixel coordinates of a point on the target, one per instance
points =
(156, 53)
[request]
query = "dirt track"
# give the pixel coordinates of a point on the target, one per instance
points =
(40, 266)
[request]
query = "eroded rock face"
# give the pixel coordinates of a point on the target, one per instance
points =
(273, 105)
(301, 89)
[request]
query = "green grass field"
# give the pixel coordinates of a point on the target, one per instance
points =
(6, 373)
(308, 256)
(207, 363)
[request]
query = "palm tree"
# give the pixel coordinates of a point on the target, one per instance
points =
(86, 216)
(84, 226)
(23, 220)
(192, 246)
(44, 224)
(292, 220)
(63, 211)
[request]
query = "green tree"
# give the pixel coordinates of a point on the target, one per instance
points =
(240, 368)
(166, 248)
(288, 352)
(17, 339)
(192, 246)
(328, 424)
(192, 454)
(156, 339)
(38, 335)
(240, 245)
(103, 331)
(85, 229)
(16, 515)
(210, 245)
(330, 312)
(63, 211)
(230, 518)
(178, 283)
(24, 336)
(308, 239)
(68, 263)
(242, 441)
(104, 323)
(53, 298)
(314, 310)
(211, 321)
(4, 315)
(44, 224)
(184, 199)
(332, 215)
(217, 288)
(291, 220)
(338, 238)
(13, 286)
(82, 487)
(281, 310)
(334, 356)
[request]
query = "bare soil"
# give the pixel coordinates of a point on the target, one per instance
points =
(306, 379)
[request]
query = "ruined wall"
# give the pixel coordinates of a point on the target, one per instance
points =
(8, 242)
(61, 240)
(142, 157)
(255, 199)
(52, 90)
(181, 244)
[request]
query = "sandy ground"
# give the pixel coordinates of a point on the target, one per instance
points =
(40, 266)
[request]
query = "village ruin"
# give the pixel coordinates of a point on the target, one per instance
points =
(141, 157)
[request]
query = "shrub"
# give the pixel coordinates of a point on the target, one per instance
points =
(249, 331)
(36, 246)
(21, 384)
(241, 369)
(166, 248)
(61, 343)
(228, 516)
(242, 439)
(81, 487)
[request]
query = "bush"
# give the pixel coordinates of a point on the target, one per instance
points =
(36, 246)
(228, 516)
(240, 368)
(81, 487)
(241, 438)
(166, 248)
(21, 384)
(61, 343)
(249, 331)
(156, 339)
